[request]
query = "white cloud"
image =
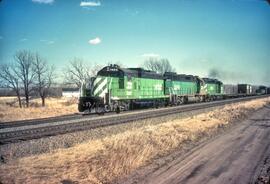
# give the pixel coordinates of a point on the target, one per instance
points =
(43, 1)
(150, 55)
(131, 12)
(49, 42)
(23, 39)
(90, 3)
(95, 41)
(205, 60)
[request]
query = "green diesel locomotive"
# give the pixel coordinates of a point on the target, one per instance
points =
(116, 89)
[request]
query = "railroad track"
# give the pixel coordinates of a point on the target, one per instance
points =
(38, 121)
(22, 133)
(69, 117)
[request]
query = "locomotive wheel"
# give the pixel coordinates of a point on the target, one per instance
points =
(117, 110)
(107, 108)
(156, 104)
(127, 107)
(100, 110)
(202, 99)
(185, 100)
(180, 100)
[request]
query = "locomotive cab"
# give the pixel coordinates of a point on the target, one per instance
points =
(95, 93)
(87, 88)
(87, 100)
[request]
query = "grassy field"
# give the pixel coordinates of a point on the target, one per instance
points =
(54, 107)
(107, 159)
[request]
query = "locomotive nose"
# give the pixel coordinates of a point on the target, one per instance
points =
(86, 103)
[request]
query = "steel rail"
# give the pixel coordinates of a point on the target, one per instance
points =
(37, 121)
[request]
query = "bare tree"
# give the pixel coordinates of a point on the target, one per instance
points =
(78, 72)
(10, 79)
(24, 70)
(159, 65)
(94, 69)
(44, 77)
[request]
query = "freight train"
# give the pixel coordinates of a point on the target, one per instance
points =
(118, 89)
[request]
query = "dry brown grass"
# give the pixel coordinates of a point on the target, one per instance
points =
(104, 160)
(54, 107)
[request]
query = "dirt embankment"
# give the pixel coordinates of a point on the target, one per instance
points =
(239, 155)
(107, 159)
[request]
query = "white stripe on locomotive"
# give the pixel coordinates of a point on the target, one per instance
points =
(103, 92)
(97, 80)
(102, 85)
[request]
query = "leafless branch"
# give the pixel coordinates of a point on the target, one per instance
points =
(158, 65)
(78, 71)
(44, 76)
(24, 70)
(10, 79)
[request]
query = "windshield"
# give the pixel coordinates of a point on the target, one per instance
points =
(89, 86)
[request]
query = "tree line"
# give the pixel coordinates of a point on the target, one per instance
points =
(29, 72)
(32, 73)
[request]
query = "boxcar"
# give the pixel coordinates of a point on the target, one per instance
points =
(268, 90)
(230, 90)
(244, 89)
(261, 90)
(254, 89)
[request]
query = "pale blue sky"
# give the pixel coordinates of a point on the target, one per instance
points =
(232, 36)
